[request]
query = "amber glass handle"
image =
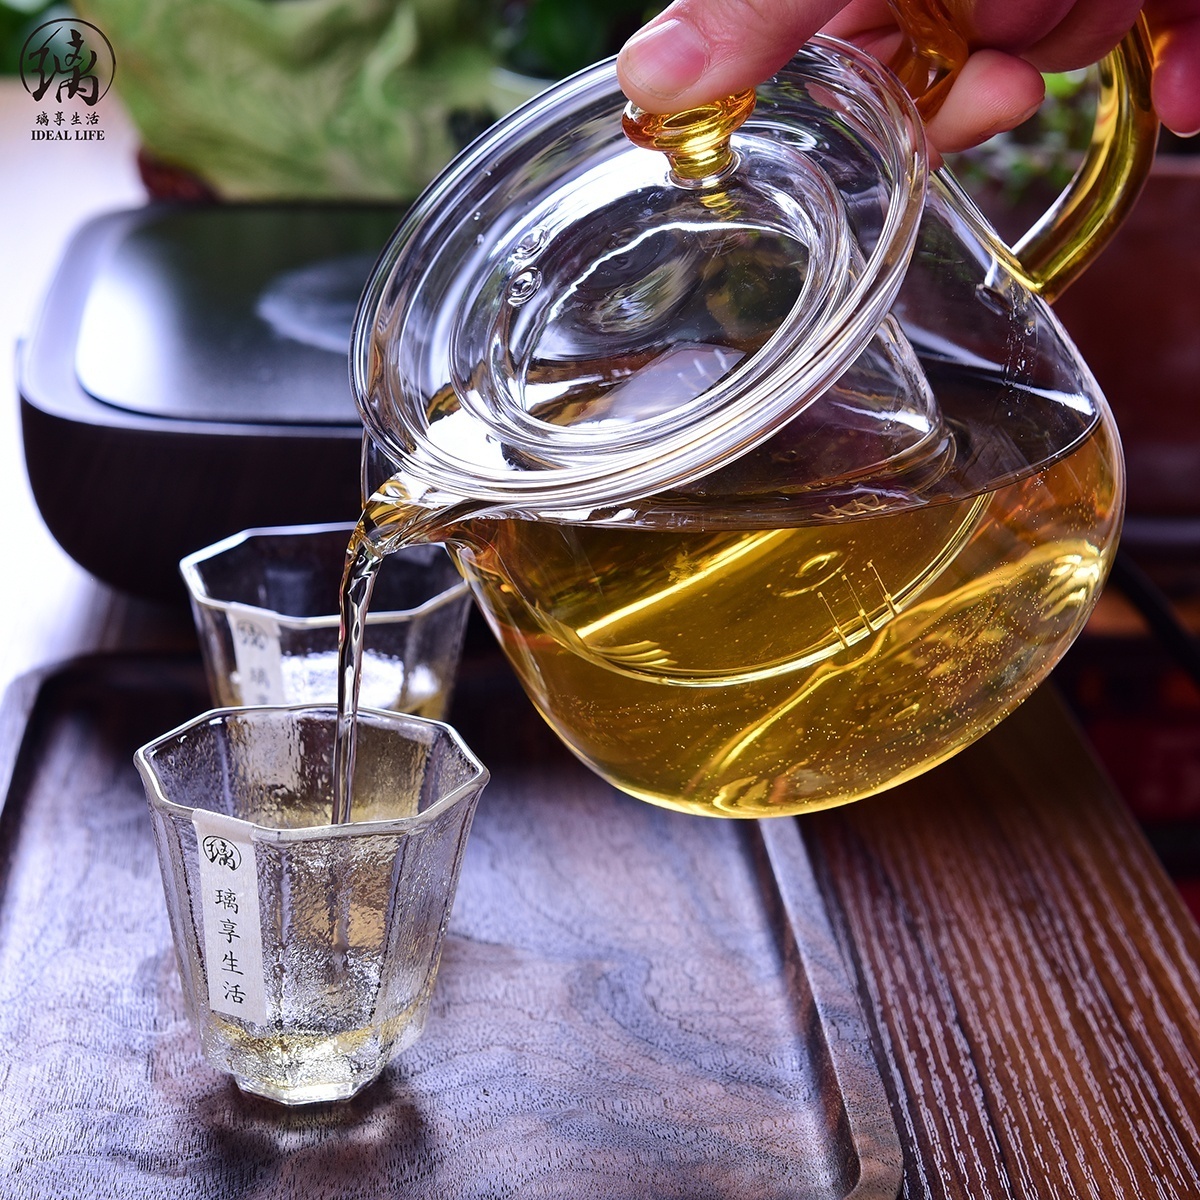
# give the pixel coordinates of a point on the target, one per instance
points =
(1077, 226)
(931, 53)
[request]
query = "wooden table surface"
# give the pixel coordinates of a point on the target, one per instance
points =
(1029, 977)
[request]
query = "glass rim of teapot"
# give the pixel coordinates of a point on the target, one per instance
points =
(411, 323)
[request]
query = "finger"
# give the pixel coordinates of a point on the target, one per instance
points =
(1175, 28)
(1084, 36)
(698, 50)
(993, 92)
(1013, 25)
(862, 20)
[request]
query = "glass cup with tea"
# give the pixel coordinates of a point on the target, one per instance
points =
(265, 603)
(308, 950)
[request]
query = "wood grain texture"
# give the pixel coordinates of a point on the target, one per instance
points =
(623, 1008)
(1030, 976)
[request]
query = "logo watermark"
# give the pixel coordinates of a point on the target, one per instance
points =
(67, 67)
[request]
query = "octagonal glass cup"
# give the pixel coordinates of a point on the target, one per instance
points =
(308, 951)
(265, 604)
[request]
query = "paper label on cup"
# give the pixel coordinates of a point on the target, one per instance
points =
(257, 657)
(229, 914)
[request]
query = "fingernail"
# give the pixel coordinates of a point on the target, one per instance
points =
(1007, 124)
(1029, 113)
(665, 59)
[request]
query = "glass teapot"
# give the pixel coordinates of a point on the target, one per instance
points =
(765, 458)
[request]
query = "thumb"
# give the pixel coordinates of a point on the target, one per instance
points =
(698, 50)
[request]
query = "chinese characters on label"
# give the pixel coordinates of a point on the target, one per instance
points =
(258, 658)
(230, 917)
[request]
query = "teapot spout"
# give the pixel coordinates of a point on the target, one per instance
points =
(393, 518)
(399, 510)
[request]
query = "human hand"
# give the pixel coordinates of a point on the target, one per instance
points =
(697, 50)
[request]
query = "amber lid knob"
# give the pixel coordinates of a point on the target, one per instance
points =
(696, 140)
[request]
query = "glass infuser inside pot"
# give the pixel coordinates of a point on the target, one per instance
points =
(773, 473)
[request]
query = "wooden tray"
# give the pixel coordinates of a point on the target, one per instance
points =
(631, 1003)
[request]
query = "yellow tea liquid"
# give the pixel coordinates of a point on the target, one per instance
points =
(751, 672)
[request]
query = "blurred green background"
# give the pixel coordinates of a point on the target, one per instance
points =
(327, 99)
(18, 19)
(546, 38)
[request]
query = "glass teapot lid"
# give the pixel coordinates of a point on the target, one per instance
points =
(568, 319)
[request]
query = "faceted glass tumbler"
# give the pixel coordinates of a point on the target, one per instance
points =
(265, 603)
(308, 951)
